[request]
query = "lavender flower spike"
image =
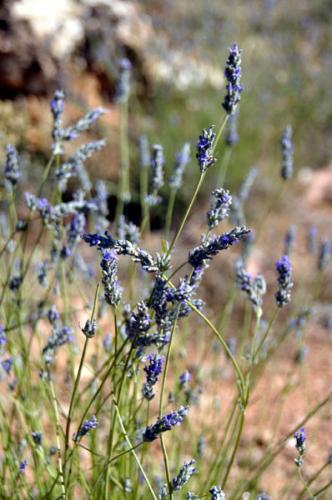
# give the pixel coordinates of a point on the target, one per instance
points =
(300, 439)
(186, 471)
(287, 149)
(220, 209)
(233, 77)
(213, 245)
(152, 370)
(284, 269)
(204, 149)
(217, 493)
(11, 168)
(86, 427)
(165, 423)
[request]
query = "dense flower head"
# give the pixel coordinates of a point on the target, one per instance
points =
(300, 439)
(83, 124)
(204, 149)
(220, 208)
(254, 287)
(217, 493)
(233, 77)
(181, 161)
(37, 437)
(74, 165)
(300, 445)
(165, 423)
(287, 150)
(152, 370)
(109, 267)
(157, 168)
(89, 329)
(87, 426)
(57, 106)
(284, 270)
(60, 335)
(11, 168)
(7, 365)
(22, 466)
(185, 473)
(214, 244)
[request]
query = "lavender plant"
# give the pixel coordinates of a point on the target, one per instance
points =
(112, 354)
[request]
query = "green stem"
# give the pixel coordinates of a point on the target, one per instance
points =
(235, 449)
(312, 479)
(169, 213)
(58, 441)
(161, 399)
(133, 451)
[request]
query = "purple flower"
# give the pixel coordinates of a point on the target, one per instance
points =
(214, 244)
(165, 423)
(220, 208)
(87, 426)
(3, 337)
(22, 466)
(184, 379)
(153, 369)
(300, 439)
(37, 437)
(233, 77)
(11, 169)
(204, 149)
(7, 364)
(284, 270)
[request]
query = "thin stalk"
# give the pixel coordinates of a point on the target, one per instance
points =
(133, 451)
(271, 455)
(324, 488)
(312, 479)
(235, 449)
(79, 372)
(306, 487)
(198, 186)
(169, 213)
(268, 329)
(58, 441)
(224, 344)
(161, 399)
(186, 215)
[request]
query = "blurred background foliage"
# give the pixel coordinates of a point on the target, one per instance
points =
(178, 52)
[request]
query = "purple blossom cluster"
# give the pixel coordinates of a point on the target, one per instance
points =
(284, 270)
(204, 149)
(233, 77)
(165, 423)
